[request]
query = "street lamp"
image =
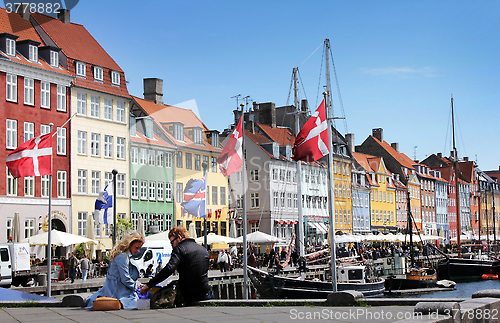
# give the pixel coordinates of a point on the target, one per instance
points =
(114, 171)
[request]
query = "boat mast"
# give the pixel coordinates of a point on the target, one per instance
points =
(409, 226)
(455, 168)
(493, 214)
(299, 164)
(244, 201)
(331, 197)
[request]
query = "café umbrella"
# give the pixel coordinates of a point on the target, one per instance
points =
(58, 238)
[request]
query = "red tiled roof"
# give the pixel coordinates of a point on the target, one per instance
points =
(281, 135)
(14, 24)
(363, 161)
(400, 157)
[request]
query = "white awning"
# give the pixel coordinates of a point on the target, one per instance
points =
(323, 227)
(320, 227)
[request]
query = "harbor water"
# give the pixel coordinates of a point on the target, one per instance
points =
(462, 290)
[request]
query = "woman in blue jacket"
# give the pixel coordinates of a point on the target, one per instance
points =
(121, 280)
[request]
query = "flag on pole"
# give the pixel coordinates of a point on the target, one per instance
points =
(103, 202)
(231, 158)
(32, 158)
(312, 141)
(194, 197)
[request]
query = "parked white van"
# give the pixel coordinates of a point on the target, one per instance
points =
(152, 252)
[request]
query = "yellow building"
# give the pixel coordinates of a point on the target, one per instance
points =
(343, 194)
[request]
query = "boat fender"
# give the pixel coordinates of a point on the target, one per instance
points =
(389, 261)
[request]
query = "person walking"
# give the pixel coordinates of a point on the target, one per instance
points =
(84, 265)
(191, 261)
(72, 263)
(222, 260)
(121, 281)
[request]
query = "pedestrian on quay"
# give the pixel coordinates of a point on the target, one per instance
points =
(222, 261)
(191, 261)
(158, 268)
(121, 281)
(72, 263)
(84, 265)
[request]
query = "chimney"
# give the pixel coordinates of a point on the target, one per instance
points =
(395, 145)
(349, 137)
(452, 154)
(304, 105)
(153, 90)
(440, 155)
(466, 159)
(24, 10)
(63, 15)
(378, 133)
(267, 114)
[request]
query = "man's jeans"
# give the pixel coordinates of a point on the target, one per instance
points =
(84, 275)
(72, 272)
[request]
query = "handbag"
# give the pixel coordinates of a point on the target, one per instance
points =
(106, 304)
(165, 297)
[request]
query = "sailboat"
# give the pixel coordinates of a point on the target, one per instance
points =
(351, 276)
(458, 268)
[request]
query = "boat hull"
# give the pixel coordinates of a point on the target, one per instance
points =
(412, 280)
(274, 287)
(467, 269)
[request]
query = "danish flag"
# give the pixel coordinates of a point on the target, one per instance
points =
(33, 158)
(231, 157)
(312, 141)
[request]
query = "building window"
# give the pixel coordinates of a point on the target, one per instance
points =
(97, 73)
(254, 175)
(222, 196)
(134, 155)
(120, 148)
(29, 131)
(45, 94)
(120, 185)
(151, 157)
(54, 59)
(61, 141)
(214, 164)
(179, 192)
(189, 163)
(159, 158)
(115, 78)
(108, 146)
(61, 98)
(81, 103)
(295, 202)
(11, 88)
(61, 184)
(214, 195)
(29, 186)
(108, 178)
(95, 140)
(33, 53)
(10, 47)
(45, 186)
(80, 69)
(152, 190)
(144, 190)
(82, 223)
(159, 191)
(9, 228)
(179, 132)
(29, 91)
(94, 106)
(82, 143)
(148, 128)
(11, 184)
(144, 154)
(120, 111)
(254, 200)
(168, 159)
(82, 181)
(197, 162)
(134, 189)
(29, 227)
(96, 181)
(178, 159)
(108, 109)
(168, 192)
(11, 134)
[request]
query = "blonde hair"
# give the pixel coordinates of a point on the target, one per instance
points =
(124, 244)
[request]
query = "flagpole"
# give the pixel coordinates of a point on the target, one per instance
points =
(205, 175)
(49, 238)
(243, 179)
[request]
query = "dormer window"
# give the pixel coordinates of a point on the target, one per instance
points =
(288, 151)
(54, 59)
(33, 53)
(97, 73)
(197, 136)
(179, 131)
(148, 127)
(10, 47)
(276, 150)
(80, 69)
(133, 125)
(115, 78)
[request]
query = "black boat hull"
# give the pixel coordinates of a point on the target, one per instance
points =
(467, 269)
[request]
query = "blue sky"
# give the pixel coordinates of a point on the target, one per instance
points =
(397, 62)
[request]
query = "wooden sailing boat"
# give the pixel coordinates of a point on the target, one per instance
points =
(345, 276)
(458, 268)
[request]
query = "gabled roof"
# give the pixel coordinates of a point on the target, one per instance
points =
(282, 135)
(364, 162)
(156, 140)
(399, 157)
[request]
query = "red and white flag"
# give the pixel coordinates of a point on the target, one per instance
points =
(231, 158)
(312, 141)
(33, 158)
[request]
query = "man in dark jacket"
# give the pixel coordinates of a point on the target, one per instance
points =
(191, 261)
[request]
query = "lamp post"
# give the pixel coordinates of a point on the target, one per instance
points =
(114, 171)
(204, 165)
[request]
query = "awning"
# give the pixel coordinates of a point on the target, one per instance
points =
(323, 226)
(320, 227)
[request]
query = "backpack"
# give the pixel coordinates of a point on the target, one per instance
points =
(165, 297)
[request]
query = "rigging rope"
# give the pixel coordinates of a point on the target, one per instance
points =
(311, 54)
